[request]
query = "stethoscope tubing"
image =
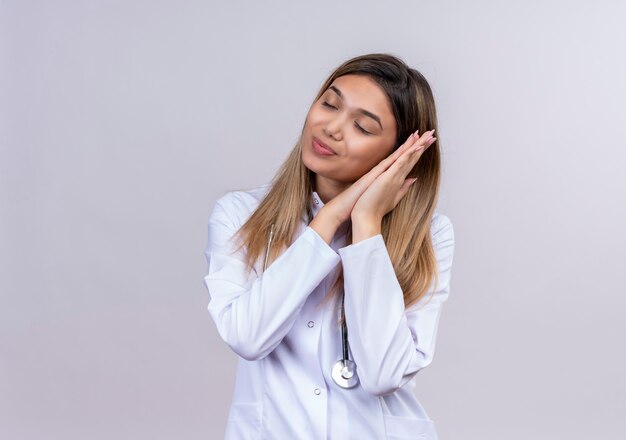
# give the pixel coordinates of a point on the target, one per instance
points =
(343, 371)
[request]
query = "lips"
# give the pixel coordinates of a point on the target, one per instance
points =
(323, 145)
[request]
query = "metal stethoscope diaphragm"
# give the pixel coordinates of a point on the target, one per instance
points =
(344, 370)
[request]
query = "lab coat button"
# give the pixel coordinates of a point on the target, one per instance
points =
(311, 324)
(317, 391)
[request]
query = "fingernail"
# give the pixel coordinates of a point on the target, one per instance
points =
(432, 131)
(416, 132)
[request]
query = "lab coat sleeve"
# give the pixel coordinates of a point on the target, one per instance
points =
(253, 313)
(389, 343)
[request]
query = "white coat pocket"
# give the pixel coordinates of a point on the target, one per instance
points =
(404, 428)
(244, 421)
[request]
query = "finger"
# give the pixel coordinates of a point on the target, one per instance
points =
(404, 189)
(423, 142)
(425, 145)
(425, 138)
(418, 141)
(406, 146)
(405, 164)
(410, 141)
(364, 181)
(417, 152)
(421, 145)
(409, 145)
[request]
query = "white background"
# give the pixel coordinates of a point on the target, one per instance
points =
(121, 122)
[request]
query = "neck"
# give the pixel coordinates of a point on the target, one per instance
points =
(327, 188)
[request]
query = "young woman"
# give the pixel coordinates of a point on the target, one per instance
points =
(329, 281)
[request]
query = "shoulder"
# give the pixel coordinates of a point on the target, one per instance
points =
(238, 205)
(441, 228)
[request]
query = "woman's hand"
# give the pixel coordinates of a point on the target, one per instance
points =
(389, 186)
(341, 206)
(366, 220)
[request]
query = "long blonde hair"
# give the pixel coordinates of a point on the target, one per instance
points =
(406, 228)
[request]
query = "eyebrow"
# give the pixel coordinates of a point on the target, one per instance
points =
(360, 110)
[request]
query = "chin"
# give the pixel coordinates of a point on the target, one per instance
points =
(308, 159)
(315, 164)
(322, 167)
(325, 172)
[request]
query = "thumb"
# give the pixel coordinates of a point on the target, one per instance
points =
(405, 187)
(407, 184)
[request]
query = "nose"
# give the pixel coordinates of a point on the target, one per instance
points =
(333, 128)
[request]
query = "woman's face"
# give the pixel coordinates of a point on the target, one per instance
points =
(353, 118)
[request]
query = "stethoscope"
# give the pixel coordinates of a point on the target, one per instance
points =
(343, 371)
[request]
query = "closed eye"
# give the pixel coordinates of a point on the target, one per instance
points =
(361, 128)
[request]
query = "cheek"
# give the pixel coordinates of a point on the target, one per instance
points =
(313, 118)
(365, 155)
(361, 160)
(371, 151)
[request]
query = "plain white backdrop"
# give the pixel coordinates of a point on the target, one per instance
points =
(121, 123)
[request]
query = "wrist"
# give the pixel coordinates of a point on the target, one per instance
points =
(329, 217)
(364, 227)
(363, 218)
(325, 224)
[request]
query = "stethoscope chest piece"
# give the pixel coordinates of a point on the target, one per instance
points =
(344, 373)
(344, 370)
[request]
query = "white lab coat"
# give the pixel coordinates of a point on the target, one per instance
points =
(287, 345)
